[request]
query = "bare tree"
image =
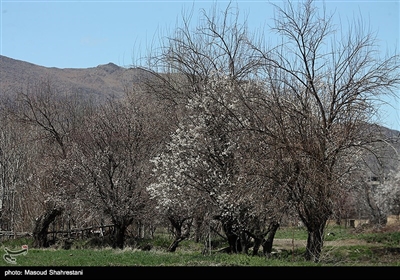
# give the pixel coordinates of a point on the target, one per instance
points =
(49, 117)
(14, 162)
(110, 163)
(321, 102)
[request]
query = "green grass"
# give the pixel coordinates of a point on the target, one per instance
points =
(129, 257)
(298, 233)
(388, 238)
(381, 249)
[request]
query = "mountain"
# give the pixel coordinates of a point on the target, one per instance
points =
(103, 80)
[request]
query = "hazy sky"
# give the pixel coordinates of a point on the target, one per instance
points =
(82, 34)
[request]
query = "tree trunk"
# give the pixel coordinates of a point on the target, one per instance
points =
(267, 244)
(118, 236)
(235, 245)
(245, 242)
(42, 226)
(181, 231)
(119, 231)
(174, 245)
(198, 233)
(314, 242)
(257, 244)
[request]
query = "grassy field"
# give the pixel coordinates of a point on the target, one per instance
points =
(347, 247)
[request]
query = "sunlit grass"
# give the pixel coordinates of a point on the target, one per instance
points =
(380, 249)
(130, 257)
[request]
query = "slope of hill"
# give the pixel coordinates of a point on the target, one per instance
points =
(107, 79)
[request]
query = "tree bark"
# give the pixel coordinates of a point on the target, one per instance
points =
(42, 227)
(235, 245)
(267, 244)
(118, 237)
(181, 231)
(119, 232)
(198, 226)
(314, 242)
(257, 244)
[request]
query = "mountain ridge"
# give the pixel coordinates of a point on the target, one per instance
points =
(102, 80)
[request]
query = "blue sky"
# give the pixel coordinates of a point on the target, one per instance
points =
(82, 34)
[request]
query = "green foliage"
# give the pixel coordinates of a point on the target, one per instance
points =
(161, 241)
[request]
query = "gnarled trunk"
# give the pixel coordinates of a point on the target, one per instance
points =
(41, 228)
(315, 242)
(118, 236)
(181, 228)
(235, 245)
(119, 232)
(267, 243)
